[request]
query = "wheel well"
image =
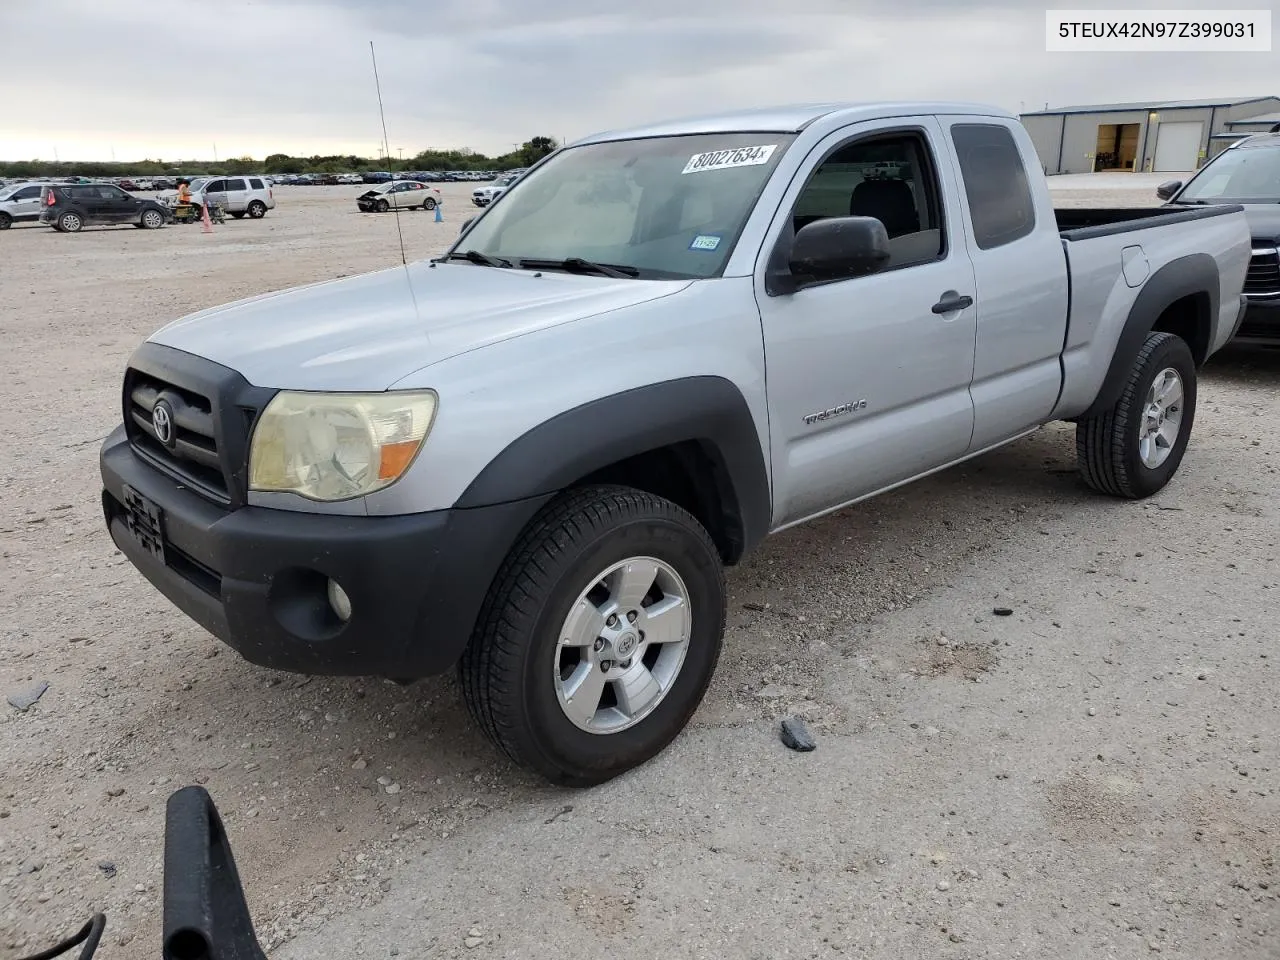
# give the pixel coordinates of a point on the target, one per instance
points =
(1189, 319)
(692, 475)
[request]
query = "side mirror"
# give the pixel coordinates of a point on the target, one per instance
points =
(466, 223)
(1168, 189)
(837, 248)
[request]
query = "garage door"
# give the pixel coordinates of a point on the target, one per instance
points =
(1177, 147)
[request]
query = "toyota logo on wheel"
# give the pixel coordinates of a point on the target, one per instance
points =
(162, 422)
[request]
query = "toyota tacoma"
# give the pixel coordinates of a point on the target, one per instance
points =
(532, 458)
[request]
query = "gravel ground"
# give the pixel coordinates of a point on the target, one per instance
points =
(1092, 775)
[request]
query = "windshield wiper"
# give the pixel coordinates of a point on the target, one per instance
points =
(475, 256)
(618, 270)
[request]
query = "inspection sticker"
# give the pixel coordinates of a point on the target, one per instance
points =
(705, 241)
(727, 159)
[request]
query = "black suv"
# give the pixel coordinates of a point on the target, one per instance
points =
(68, 207)
(1246, 173)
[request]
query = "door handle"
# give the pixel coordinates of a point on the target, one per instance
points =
(951, 302)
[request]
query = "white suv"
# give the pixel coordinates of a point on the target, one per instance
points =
(238, 196)
(19, 202)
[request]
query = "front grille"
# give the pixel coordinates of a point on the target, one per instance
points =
(192, 452)
(1263, 279)
(213, 410)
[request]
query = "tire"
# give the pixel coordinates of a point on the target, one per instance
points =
(1116, 451)
(152, 220)
(6, 221)
(70, 223)
(516, 675)
(257, 210)
(238, 216)
(429, 203)
(382, 206)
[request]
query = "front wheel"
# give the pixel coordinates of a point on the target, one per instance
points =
(257, 210)
(6, 221)
(599, 635)
(1134, 449)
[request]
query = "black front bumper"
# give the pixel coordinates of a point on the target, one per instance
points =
(1261, 322)
(257, 578)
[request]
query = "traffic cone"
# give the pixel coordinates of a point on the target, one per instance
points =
(208, 224)
(439, 216)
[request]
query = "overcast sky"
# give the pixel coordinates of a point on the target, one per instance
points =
(90, 79)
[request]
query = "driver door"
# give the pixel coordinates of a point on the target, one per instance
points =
(869, 376)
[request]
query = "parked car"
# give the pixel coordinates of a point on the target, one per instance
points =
(483, 196)
(19, 203)
(350, 178)
(70, 207)
(401, 194)
(392, 474)
(1247, 174)
(238, 196)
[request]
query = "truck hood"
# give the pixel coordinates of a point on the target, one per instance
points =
(367, 332)
(1264, 220)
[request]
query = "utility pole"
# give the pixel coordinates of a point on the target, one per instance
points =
(215, 153)
(55, 154)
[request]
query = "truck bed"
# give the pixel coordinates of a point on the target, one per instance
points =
(1084, 223)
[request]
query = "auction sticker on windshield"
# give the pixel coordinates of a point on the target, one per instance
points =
(727, 159)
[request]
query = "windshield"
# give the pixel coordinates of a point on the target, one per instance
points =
(1245, 173)
(666, 207)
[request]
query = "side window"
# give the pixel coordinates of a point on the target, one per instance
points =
(995, 183)
(26, 193)
(890, 177)
(255, 184)
(110, 193)
(215, 186)
(235, 185)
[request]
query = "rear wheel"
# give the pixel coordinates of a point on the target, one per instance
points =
(1134, 449)
(70, 223)
(429, 203)
(257, 210)
(599, 635)
(152, 220)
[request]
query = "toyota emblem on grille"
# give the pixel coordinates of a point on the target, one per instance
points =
(162, 422)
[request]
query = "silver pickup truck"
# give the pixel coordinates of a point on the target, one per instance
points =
(534, 456)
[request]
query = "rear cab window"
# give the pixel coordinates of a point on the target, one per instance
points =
(995, 184)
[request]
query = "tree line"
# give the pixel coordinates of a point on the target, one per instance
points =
(529, 153)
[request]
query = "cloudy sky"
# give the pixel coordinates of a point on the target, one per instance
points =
(91, 79)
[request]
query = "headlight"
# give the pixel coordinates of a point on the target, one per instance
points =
(337, 446)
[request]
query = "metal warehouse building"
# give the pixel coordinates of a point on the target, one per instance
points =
(1174, 136)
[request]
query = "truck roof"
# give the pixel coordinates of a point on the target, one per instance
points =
(791, 118)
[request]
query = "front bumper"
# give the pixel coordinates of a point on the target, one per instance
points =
(257, 578)
(481, 201)
(1261, 323)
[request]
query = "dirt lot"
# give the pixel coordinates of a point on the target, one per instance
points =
(1092, 776)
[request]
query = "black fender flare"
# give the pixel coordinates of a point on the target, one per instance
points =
(1192, 275)
(708, 410)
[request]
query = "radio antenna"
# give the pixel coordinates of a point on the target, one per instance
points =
(386, 148)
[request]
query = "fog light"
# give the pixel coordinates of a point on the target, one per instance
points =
(339, 600)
